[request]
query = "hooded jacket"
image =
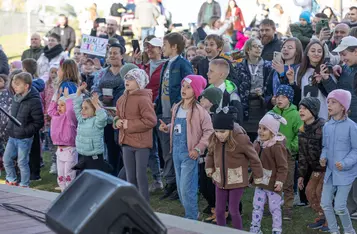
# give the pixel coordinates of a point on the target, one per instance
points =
(303, 33)
(310, 147)
(291, 129)
(229, 169)
(137, 108)
(28, 111)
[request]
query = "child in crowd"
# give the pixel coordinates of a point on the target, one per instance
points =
(5, 103)
(195, 61)
(213, 47)
(15, 65)
(201, 49)
(77, 55)
(174, 70)
(210, 100)
(218, 77)
(310, 147)
(92, 120)
(190, 130)
(339, 155)
(63, 135)
(285, 108)
(230, 153)
(30, 65)
(68, 76)
(27, 109)
(135, 119)
(303, 30)
(191, 52)
(87, 73)
(273, 155)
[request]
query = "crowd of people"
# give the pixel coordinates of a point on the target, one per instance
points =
(281, 117)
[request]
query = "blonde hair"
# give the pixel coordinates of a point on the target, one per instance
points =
(221, 63)
(230, 143)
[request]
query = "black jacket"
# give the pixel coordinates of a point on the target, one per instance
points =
(270, 48)
(30, 114)
(4, 63)
(310, 147)
(68, 37)
(203, 67)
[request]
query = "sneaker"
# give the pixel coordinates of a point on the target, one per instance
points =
(53, 169)
(155, 186)
(207, 210)
(319, 223)
(354, 216)
(11, 183)
(174, 196)
(324, 228)
(297, 199)
(35, 178)
(287, 214)
(169, 189)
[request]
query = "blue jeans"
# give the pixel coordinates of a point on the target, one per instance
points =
(154, 161)
(147, 32)
(19, 148)
(340, 208)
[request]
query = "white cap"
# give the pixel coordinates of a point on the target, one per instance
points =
(345, 43)
(157, 42)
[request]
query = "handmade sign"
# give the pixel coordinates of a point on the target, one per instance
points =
(94, 45)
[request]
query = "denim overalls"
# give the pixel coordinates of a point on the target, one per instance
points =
(186, 169)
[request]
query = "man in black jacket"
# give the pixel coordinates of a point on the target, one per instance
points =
(67, 34)
(269, 39)
(27, 109)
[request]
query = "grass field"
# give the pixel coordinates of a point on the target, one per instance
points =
(13, 45)
(302, 215)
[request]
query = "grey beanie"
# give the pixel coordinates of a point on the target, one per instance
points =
(214, 95)
(312, 104)
(126, 68)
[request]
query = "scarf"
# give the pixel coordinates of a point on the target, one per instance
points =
(271, 142)
(52, 53)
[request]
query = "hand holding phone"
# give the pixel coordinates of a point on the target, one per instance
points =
(135, 45)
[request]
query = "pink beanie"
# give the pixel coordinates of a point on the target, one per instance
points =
(272, 122)
(198, 83)
(342, 96)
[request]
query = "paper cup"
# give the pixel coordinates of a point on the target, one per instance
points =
(107, 92)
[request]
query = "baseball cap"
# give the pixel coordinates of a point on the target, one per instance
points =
(157, 42)
(345, 43)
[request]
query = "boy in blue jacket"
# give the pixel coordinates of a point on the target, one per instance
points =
(174, 70)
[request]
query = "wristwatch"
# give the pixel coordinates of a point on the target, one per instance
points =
(198, 150)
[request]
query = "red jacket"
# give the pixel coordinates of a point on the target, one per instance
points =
(239, 23)
(154, 79)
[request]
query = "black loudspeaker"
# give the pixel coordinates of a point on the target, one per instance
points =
(98, 203)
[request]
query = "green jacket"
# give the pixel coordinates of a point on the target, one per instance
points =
(291, 129)
(303, 33)
(32, 53)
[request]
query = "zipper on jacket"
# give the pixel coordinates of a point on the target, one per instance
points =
(223, 165)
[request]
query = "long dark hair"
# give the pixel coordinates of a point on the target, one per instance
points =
(229, 10)
(306, 61)
(299, 49)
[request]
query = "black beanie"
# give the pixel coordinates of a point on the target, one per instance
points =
(224, 117)
(312, 104)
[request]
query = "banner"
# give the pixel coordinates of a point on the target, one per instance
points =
(94, 45)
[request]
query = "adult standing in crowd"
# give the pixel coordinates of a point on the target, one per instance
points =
(52, 54)
(36, 49)
(146, 15)
(353, 16)
(112, 27)
(4, 63)
(234, 11)
(66, 33)
(208, 9)
(269, 39)
(342, 30)
(110, 86)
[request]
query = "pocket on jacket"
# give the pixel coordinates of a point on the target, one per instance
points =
(235, 175)
(343, 143)
(87, 144)
(266, 176)
(216, 176)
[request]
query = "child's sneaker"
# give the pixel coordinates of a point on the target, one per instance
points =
(11, 183)
(319, 223)
(155, 186)
(287, 214)
(53, 169)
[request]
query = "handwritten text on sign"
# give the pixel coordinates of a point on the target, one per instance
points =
(94, 45)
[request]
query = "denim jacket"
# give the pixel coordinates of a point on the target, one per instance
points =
(180, 68)
(339, 145)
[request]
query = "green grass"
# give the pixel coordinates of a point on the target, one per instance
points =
(302, 215)
(13, 45)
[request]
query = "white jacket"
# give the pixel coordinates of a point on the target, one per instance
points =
(43, 65)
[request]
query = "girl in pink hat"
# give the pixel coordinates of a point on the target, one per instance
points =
(189, 130)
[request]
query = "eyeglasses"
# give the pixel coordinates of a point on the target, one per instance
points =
(257, 46)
